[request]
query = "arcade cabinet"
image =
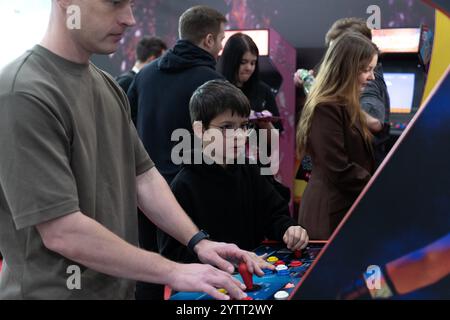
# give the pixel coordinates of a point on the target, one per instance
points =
(290, 268)
(394, 243)
(405, 58)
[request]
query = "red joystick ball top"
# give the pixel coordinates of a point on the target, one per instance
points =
(246, 275)
(298, 253)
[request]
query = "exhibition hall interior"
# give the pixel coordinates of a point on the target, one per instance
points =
(225, 150)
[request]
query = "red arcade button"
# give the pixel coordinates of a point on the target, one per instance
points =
(295, 263)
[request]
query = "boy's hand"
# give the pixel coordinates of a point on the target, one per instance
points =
(296, 238)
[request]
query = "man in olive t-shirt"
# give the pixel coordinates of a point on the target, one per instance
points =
(69, 147)
(72, 171)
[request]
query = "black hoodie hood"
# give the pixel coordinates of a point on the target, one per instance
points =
(211, 169)
(185, 55)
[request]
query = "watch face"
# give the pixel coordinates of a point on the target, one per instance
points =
(205, 234)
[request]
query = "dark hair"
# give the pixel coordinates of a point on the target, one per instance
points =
(348, 25)
(216, 97)
(230, 61)
(199, 21)
(150, 46)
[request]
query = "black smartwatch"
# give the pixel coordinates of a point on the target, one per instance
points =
(199, 236)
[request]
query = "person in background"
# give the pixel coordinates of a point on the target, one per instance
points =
(239, 64)
(333, 131)
(148, 49)
(375, 98)
(162, 92)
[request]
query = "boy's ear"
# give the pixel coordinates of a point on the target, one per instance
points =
(197, 127)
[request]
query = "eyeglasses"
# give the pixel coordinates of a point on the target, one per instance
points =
(246, 127)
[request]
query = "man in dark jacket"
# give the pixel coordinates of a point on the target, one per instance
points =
(148, 49)
(162, 91)
(376, 102)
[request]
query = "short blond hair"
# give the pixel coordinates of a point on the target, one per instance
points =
(199, 21)
(347, 25)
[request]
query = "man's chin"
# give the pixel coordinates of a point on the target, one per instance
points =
(107, 50)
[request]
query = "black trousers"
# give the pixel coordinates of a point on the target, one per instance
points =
(148, 241)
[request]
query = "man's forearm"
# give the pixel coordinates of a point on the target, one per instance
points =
(373, 124)
(85, 241)
(159, 204)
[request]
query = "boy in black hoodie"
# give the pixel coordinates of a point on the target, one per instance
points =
(232, 202)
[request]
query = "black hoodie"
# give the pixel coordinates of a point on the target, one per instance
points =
(234, 204)
(162, 91)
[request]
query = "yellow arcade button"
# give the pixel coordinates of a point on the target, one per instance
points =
(223, 291)
(272, 259)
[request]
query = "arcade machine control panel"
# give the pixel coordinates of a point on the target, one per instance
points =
(274, 285)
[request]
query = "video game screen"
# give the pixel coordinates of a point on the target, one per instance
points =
(401, 91)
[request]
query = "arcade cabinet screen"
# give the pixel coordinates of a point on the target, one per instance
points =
(401, 91)
(401, 40)
(260, 37)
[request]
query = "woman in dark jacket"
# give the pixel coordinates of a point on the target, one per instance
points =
(333, 131)
(239, 64)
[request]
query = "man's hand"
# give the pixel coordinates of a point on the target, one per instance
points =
(261, 261)
(373, 124)
(205, 278)
(220, 254)
(298, 81)
(296, 238)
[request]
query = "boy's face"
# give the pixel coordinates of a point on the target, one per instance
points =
(230, 135)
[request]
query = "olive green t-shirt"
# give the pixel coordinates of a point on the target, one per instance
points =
(67, 144)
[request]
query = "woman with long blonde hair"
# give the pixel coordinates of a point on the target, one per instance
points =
(333, 131)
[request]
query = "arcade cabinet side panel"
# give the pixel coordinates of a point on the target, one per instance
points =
(440, 58)
(283, 57)
(441, 5)
(400, 225)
